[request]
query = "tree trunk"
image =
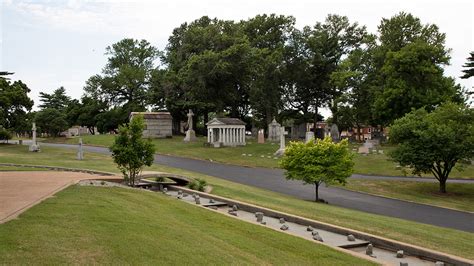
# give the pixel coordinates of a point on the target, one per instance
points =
(316, 189)
(442, 185)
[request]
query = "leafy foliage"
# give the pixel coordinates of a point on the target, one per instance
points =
(469, 71)
(198, 184)
(14, 104)
(57, 100)
(130, 151)
(5, 134)
(317, 162)
(51, 121)
(434, 142)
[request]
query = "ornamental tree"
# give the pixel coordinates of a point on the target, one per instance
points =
(317, 162)
(130, 152)
(434, 142)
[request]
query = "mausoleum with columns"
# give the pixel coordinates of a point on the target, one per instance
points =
(226, 132)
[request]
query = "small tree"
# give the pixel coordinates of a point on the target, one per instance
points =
(5, 134)
(434, 142)
(130, 151)
(318, 161)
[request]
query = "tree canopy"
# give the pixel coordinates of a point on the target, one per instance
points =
(434, 142)
(317, 162)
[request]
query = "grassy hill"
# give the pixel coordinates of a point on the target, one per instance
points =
(95, 225)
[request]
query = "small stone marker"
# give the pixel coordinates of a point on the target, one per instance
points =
(165, 190)
(317, 237)
(259, 217)
(180, 192)
(261, 137)
(211, 201)
(369, 250)
(400, 254)
(284, 227)
(309, 228)
(282, 220)
(235, 208)
(197, 200)
(351, 238)
(363, 150)
(194, 195)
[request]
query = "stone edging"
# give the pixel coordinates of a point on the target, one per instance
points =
(376, 240)
(58, 168)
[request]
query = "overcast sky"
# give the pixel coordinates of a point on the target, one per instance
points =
(49, 44)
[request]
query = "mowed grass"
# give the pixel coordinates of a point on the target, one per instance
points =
(442, 239)
(93, 225)
(262, 155)
(459, 196)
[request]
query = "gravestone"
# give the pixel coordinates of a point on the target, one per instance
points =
(261, 137)
(190, 134)
(281, 150)
(34, 147)
(335, 136)
(274, 129)
(363, 150)
(80, 152)
(309, 136)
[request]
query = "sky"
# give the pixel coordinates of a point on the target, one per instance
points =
(49, 44)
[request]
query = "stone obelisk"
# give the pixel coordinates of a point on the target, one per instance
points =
(281, 151)
(34, 147)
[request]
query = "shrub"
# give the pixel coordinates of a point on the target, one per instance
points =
(5, 134)
(198, 184)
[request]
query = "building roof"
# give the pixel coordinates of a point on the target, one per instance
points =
(226, 121)
(152, 115)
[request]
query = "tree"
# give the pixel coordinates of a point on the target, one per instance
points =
(317, 162)
(14, 104)
(57, 100)
(315, 53)
(5, 134)
(51, 121)
(414, 78)
(130, 151)
(469, 71)
(434, 142)
(127, 74)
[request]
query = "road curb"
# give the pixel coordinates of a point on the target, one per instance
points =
(59, 168)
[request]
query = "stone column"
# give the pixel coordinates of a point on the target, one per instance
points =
(233, 136)
(221, 135)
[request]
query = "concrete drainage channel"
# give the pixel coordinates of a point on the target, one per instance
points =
(377, 249)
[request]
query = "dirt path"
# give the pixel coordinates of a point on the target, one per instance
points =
(22, 190)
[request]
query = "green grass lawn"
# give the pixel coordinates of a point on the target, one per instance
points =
(459, 196)
(262, 155)
(443, 239)
(93, 225)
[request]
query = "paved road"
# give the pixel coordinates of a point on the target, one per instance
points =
(273, 179)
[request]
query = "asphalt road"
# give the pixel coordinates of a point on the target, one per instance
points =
(274, 180)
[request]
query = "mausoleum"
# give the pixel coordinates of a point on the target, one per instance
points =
(157, 124)
(226, 132)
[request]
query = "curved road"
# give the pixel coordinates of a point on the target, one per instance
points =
(274, 180)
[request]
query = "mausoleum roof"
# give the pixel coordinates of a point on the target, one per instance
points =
(153, 115)
(226, 121)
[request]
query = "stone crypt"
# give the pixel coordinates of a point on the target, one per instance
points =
(226, 132)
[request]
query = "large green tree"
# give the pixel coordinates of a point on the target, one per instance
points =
(51, 121)
(410, 64)
(314, 54)
(14, 104)
(56, 100)
(434, 142)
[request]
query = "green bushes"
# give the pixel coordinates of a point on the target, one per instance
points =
(5, 134)
(198, 184)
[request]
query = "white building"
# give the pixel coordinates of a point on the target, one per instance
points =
(226, 132)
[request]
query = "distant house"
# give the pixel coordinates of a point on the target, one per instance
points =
(367, 133)
(157, 124)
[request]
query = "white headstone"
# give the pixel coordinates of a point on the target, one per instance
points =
(309, 136)
(281, 150)
(334, 133)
